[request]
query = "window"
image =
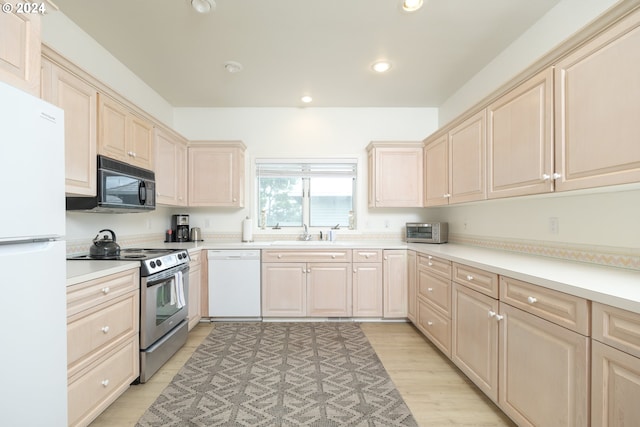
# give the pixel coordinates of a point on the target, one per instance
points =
(315, 193)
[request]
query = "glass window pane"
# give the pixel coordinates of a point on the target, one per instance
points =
(331, 199)
(281, 198)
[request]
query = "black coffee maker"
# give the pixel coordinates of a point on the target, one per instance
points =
(180, 227)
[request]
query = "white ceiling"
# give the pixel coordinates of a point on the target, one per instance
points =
(293, 47)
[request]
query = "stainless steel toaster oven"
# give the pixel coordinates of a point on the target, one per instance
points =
(433, 232)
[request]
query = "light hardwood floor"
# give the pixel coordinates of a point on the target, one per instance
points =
(437, 393)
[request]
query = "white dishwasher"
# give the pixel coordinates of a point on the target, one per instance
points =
(234, 284)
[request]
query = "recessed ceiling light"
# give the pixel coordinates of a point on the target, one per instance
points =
(306, 99)
(411, 5)
(203, 6)
(381, 66)
(233, 67)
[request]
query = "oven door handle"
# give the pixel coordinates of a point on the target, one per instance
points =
(158, 278)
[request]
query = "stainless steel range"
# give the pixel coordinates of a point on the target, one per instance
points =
(164, 287)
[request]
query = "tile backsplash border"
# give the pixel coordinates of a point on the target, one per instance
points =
(602, 255)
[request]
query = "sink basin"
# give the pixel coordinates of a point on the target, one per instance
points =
(305, 243)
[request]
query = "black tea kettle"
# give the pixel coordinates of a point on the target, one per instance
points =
(105, 247)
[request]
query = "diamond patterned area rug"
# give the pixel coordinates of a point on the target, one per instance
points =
(281, 374)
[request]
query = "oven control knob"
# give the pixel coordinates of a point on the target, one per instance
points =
(152, 264)
(158, 263)
(180, 256)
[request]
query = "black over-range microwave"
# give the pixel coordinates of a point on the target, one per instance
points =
(122, 188)
(434, 232)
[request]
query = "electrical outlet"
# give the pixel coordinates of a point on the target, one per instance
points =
(554, 225)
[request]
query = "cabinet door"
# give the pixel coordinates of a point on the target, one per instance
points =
(412, 286)
(284, 292)
(140, 143)
(520, 139)
(20, 50)
(195, 284)
(367, 289)
(597, 108)
(78, 99)
(112, 129)
(398, 176)
(615, 387)
(171, 169)
(394, 267)
(436, 163)
(546, 361)
(467, 143)
(216, 176)
(329, 292)
(474, 343)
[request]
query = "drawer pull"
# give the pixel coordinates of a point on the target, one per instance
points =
(469, 277)
(333, 256)
(429, 289)
(532, 300)
(105, 383)
(367, 256)
(105, 329)
(105, 290)
(430, 264)
(429, 323)
(279, 256)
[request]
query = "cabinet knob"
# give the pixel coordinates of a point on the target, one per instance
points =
(105, 290)
(430, 264)
(333, 256)
(355, 270)
(546, 177)
(429, 257)
(279, 256)
(366, 256)
(492, 313)
(235, 200)
(556, 175)
(429, 289)
(309, 270)
(469, 277)
(105, 383)
(499, 317)
(532, 300)
(447, 195)
(429, 323)
(105, 329)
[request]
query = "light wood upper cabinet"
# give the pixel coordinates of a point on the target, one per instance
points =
(467, 164)
(436, 164)
(520, 139)
(123, 135)
(395, 174)
(597, 109)
(216, 174)
(20, 49)
(78, 99)
(171, 168)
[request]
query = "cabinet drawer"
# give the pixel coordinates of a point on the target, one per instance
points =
(480, 280)
(435, 326)
(195, 257)
(617, 327)
(436, 290)
(94, 292)
(363, 255)
(563, 309)
(341, 255)
(100, 384)
(435, 265)
(94, 330)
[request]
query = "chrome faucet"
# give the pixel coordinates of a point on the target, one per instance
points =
(305, 236)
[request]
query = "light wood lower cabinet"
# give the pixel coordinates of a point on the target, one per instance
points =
(367, 283)
(412, 286)
(615, 376)
(195, 285)
(474, 347)
(102, 343)
(433, 291)
(394, 283)
(544, 371)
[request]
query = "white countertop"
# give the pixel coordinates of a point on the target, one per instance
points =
(613, 286)
(82, 270)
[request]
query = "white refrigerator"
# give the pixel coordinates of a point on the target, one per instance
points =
(33, 339)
